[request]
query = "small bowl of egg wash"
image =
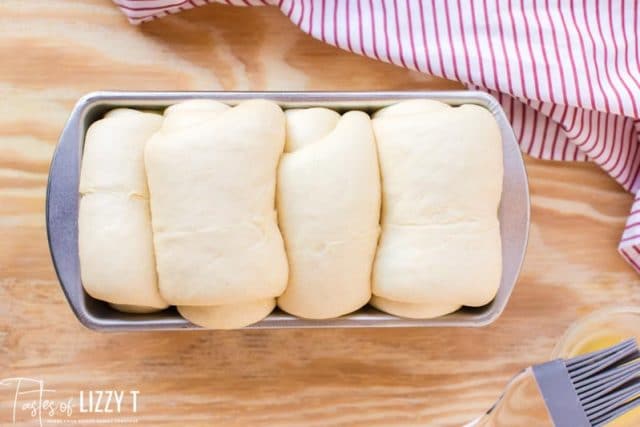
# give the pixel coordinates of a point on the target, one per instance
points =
(598, 330)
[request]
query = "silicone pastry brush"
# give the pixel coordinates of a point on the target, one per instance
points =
(586, 391)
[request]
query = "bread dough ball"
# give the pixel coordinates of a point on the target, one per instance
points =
(114, 227)
(212, 171)
(440, 246)
(190, 113)
(329, 211)
(412, 310)
(230, 316)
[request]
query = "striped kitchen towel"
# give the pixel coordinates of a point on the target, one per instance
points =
(567, 72)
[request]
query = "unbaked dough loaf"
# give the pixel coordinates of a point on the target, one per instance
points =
(211, 171)
(441, 173)
(115, 242)
(329, 211)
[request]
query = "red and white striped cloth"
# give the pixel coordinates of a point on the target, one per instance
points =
(567, 72)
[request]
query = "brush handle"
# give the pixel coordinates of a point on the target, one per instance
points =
(520, 405)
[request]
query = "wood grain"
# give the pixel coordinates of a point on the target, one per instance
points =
(53, 52)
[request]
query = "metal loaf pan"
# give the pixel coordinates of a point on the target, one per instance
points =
(63, 201)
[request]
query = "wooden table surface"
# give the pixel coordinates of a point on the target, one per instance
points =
(53, 52)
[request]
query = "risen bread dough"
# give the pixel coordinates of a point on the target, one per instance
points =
(115, 242)
(441, 173)
(329, 211)
(230, 316)
(211, 171)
